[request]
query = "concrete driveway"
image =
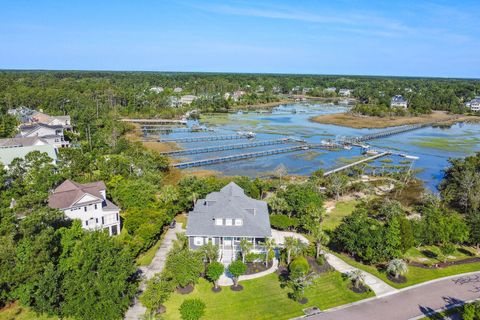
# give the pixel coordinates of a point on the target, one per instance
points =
(411, 302)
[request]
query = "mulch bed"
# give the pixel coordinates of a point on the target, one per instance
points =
(257, 267)
(444, 264)
(399, 279)
(217, 290)
(360, 289)
(303, 301)
(315, 267)
(185, 290)
(237, 287)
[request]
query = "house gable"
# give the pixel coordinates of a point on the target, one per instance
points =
(87, 198)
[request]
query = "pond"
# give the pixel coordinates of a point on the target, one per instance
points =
(433, 146)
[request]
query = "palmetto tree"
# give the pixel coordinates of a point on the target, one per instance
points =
(397, 267)
(294, 247)
(289, 247)
(320, 238)
(210, 252)
(270, 245)
(357, 277)
(245, 247)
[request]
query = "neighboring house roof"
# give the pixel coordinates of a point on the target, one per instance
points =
(8, 154)
(69, 193)
(21, 142)
(398, 99)
(230, 203)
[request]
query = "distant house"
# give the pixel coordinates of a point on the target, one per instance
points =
(174, 102)
(330, 89)
(224, 218)
(22, 142)
(177, 90)
(187, 99)
(345, 92)
(237, 95)
(398, 101)
(8, 154)
(156, 89)
(306, 90)
(276, 89)
(29, 116)
(52, 134)
(474, 104)
(87, 203)
(261, 89)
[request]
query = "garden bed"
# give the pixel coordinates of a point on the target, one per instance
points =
(256, 267)
(317, 268)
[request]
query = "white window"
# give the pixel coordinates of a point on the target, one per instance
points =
(218, 222)
(238, 222)
(198, 241)
(228, 222)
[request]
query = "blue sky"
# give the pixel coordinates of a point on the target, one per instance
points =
(414, 38)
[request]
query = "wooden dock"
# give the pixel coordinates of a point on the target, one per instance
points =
(205, 162)
(229, 147)
(154, 121)
(208, 138)
(380, 155)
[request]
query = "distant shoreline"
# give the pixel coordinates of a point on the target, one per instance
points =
(368, 122)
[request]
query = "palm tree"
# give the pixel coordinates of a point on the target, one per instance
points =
(397, 267)
(357, 277)
(319, 238)
(269, 247)
(245, 247)
(210, 252)
(289, 247)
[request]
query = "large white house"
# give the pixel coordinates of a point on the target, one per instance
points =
(224, 218)
(398, 101)
(474, 104)
(88, 203)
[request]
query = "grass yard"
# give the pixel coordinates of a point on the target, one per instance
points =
(16, 312)
(263, 298)
(415, 275)
(432, 254)
(342, 209)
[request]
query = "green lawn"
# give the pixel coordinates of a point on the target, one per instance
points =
(415, 275)
(342, 209)
(432, 254)
(145, 258)
(17, 312)
(263, 298)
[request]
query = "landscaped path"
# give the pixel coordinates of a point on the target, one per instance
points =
(225, 280)
(378, 286)
(158, 263)
(411, 302)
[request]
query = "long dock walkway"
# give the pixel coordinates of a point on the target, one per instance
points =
(204, 162)
(228, 147)
(384, 133)
(154, 121)
(208, 138)
(380, 155)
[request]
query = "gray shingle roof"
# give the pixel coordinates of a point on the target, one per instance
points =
(230, 203)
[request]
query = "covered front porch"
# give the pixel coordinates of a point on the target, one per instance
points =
(229, 247)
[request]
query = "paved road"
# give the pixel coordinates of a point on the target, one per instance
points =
(410, 302)
(136, 311)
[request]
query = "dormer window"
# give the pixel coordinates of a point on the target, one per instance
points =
(228, 222)
(218, 222)
(238, 222)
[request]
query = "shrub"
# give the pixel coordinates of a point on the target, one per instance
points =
(215, 271)
(283, 222)
(192, 309)
(299, 264)
(237, 268)
(254, 257)
(184, 267)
